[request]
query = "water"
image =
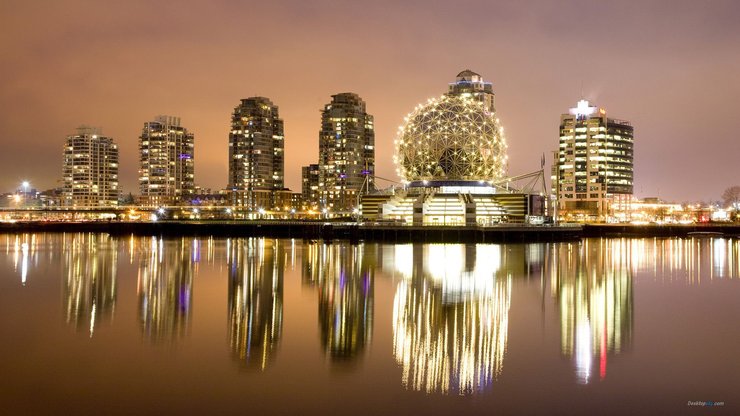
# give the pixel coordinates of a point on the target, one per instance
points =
(98, 325)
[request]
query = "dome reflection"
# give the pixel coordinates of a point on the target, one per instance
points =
(450, 318)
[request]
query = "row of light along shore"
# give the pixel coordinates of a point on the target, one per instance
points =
(450, 153)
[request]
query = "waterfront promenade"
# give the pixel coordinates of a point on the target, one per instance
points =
(310, 230)
(327, 231)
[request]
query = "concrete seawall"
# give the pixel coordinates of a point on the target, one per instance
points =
(621, 230)
(309, 230)
(381, 233)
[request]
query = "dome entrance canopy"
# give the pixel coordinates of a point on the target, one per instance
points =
(451, 138)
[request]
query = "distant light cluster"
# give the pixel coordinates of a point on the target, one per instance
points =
(451, 138)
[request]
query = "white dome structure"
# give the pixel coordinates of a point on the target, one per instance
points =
(451, 138)
(451, 157)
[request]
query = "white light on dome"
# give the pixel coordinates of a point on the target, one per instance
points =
(451, 138)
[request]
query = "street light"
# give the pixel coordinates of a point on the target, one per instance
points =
(24, 186)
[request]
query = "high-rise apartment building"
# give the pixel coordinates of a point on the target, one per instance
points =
(90, 170)
(346, 153)
(256, 155)
(166, 162)
(310, 184)
(470, 84)
(593, 169)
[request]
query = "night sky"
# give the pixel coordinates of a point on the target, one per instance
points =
(670, 67)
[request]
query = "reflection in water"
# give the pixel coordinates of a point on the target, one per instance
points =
(90, 285)
(592, 283)
(345, 278)
(165, 287)
(24, 248)
(255, 299)
(450, 316)
(451, 303)
(24, 263)
(693, 260)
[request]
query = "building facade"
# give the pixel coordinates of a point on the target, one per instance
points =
(310, 185)
(451, 156)
(593, 168)
(166, 162)
(346, 153)
(256, 155)
(469, 84)
(90, 170)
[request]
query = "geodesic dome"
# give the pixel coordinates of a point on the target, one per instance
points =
(451, 138)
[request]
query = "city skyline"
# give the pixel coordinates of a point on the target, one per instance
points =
(671, 71)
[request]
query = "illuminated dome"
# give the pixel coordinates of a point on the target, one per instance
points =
(452, 138)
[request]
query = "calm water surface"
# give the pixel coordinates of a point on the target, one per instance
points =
(93, 324)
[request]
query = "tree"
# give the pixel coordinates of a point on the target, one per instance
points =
(731, 196)
(126, 199)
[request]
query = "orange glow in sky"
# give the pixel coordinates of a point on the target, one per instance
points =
(671, 68)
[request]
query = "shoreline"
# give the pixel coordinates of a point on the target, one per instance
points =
(308, 230)
(328, 231)
(662, 231)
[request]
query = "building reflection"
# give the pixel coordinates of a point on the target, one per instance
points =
(344, 276)
(21, 248)
(89, 286)
(165, 287)
(451, 314)
(27, 250)
(592, 283)
(256, 269)
(693, 260)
